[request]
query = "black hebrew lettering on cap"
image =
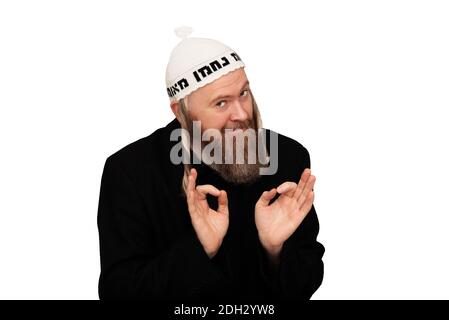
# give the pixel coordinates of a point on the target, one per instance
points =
(183, 83)
(213, 66)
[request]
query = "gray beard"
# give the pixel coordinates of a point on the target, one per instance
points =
(238, 173)
(245, 173)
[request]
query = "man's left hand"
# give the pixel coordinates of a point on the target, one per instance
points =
(276, 222)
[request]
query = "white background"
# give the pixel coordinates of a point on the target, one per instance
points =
(363, 85)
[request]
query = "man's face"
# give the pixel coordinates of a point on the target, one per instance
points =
(224, 103)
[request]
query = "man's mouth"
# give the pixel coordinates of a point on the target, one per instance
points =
(237, 131)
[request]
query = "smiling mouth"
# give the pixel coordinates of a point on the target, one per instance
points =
(237, 132)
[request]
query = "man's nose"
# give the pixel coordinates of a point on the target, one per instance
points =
(238, 113)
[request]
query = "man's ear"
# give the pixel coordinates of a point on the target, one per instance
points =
(175, 108)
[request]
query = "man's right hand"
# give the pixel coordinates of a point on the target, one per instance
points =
(210, 225)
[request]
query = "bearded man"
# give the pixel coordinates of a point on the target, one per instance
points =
(209, 227)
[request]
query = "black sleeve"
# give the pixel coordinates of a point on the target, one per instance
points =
(130, 265)
(301, 269)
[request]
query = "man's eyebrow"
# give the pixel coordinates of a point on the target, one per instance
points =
(227, 96)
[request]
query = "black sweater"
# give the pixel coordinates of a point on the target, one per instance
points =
(149, 249)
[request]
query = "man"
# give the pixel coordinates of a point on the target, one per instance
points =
(205, 230)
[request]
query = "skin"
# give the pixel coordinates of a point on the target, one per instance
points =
(223, 113)
(275, 222)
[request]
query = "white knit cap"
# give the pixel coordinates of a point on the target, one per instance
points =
(195, 62)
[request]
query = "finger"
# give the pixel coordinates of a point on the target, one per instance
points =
(302, 182)
(265, 198)
(287, 188)
(223, 202)
(191, 180)
(190, 190)
(191, 201)
(207, 189)
(307, 189)
(194, 173)
(307, 205)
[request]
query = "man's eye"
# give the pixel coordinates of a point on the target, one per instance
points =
(219, 103)
(244, 91)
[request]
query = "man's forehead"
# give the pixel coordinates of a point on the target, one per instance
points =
(228, 86)
(227, 92)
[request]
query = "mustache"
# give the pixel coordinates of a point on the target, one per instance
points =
(248, 124)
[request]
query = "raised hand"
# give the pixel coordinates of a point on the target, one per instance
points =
(277, 222)
(210, 225)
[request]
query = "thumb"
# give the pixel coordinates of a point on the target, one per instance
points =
(265, 198)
